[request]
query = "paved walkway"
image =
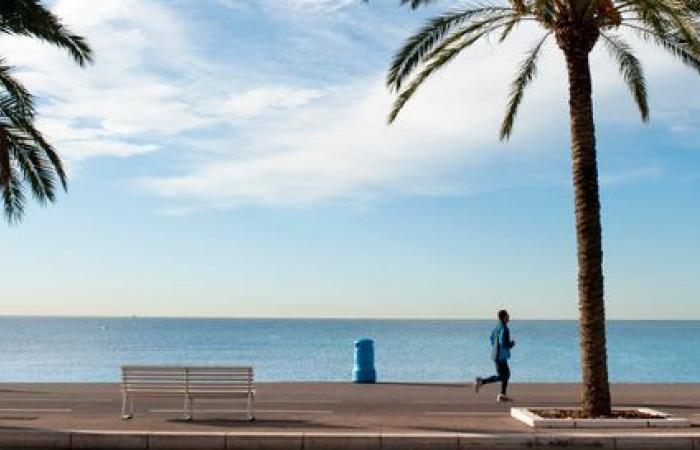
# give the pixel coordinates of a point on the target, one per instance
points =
(326, 408)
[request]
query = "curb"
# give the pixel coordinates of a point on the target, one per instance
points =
(161, 440)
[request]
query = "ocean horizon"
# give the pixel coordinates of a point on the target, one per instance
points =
(91, 349)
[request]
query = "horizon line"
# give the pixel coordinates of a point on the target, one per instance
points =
(356, 318)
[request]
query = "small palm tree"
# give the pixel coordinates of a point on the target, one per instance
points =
(25, 156)
(577, 26)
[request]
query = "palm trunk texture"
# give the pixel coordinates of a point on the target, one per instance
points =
(596, 390)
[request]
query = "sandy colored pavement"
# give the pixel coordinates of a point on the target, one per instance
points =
(324, 407)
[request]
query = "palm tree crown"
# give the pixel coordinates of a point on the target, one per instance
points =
(25, 155)
(668, 24)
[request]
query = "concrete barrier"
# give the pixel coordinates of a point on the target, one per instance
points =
(342, 441)
(264, 441)
(658, 442)
(496, 442)
(599, 441)
(367, 440)
(427, 441)
(186, 441)
(34, 439)
(109, 440)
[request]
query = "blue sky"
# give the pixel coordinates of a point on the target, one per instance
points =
(231, 158)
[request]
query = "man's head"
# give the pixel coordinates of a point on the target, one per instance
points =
(503, 316)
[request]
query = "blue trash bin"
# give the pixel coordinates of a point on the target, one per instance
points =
(364, 371)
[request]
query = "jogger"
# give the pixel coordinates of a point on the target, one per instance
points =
(501, 343)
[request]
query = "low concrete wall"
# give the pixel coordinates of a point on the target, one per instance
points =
(139, 440)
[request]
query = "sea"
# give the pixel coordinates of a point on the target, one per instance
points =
(70, 349)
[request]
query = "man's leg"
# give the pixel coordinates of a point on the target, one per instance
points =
(479, 382)
(503, 375)
(493, 378)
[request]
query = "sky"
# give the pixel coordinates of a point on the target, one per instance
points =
(232, 158)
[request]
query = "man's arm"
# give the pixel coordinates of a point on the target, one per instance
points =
(506, 342)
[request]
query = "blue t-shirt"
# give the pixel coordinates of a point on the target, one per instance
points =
(500, 343)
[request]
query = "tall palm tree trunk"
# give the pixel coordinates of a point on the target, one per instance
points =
(596, 393)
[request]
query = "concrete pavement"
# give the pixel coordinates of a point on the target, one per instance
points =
(327, 415)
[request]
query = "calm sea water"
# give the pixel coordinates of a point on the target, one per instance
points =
(92, 349)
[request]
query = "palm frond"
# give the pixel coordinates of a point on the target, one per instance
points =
(15, 89)
(507, 29)
(23, 150)
(668, 16)
(51, 154)
(13, 198)
(10, 185)
(630, 69)
(13, 111)
(648, 12)
(417, 3)
(36, 168)
(670, 43)
(549, 10)
(424, 41)
(31, 18)
(440, 56)
(527, 73)
(25, 133)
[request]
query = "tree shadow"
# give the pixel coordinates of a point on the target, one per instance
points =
(22, 391)
(278, 424)
(469, 430)
(417, 384)
(658, 405)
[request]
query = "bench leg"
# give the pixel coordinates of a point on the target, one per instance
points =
(127, 407)
(187, 409)
(250, 413)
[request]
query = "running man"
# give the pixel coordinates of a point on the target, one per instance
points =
(500, 353)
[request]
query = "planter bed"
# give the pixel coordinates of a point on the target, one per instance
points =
(553, 417)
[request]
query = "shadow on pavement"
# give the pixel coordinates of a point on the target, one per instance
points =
(442, 385)
(280, 424)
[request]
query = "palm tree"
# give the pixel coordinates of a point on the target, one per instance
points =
(25, 156)
(577, 26)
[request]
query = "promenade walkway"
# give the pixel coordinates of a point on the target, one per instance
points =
(69, 415)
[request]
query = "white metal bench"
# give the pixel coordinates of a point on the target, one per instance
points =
(189, 383)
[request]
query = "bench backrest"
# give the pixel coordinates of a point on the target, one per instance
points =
(192, 380)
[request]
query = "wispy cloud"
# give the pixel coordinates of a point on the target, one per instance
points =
(260, 100)
(339, 148)
(632, 176)
(302, 6)
(98, 110)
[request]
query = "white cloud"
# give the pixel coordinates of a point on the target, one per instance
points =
(150, 82)
(99, 110)
(340, 148)
(259, 100)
